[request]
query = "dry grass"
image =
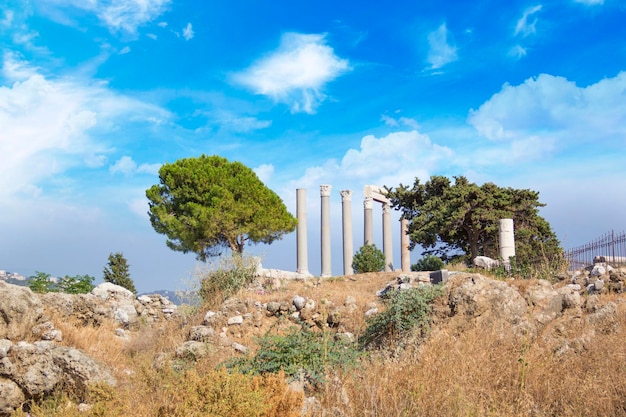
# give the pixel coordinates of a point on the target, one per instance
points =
(459, 371)
(479, 373)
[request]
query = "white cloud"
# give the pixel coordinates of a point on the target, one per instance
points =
(526, 25)
(517, 52)
(125, 165)
(188, 32)
(404, 121)
(264, 172)
(296, 73)
(124, 50)
(397, 157)
(548, 113)
(128, 167)
(442, 50)
(50, 126)
(123, 16)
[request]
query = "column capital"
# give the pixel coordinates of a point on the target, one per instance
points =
(368, 203)
(346, 195)
(386, 208)
(325, 190)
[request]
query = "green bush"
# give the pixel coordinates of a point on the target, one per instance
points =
(231, 275)
(80, 284)
(368, 259)
(405, 311)
(428, 263)
(40, 283)
(300, 351)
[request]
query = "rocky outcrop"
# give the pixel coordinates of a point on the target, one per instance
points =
(34, 371)
(109, 301)
(37, 370)
(20, 311)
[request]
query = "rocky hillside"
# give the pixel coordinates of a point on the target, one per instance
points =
(520, 334)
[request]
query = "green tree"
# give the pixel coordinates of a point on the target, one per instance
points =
(40, 282)
(461, 218)
(116, 272)
(208, 203)
(368, 259)
(79, 284)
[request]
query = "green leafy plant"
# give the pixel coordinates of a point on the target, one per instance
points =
(40, 282)
(231, 274)
(405, 311)
(299, 352)
(428, 263)
(79, 284)
(368, 259)
(116, 272)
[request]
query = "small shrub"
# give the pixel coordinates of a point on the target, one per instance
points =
(368, 259)
(300, 351)
(428, 263)
(40, 282)
(231, 275)
(80, 284)
(405, 311)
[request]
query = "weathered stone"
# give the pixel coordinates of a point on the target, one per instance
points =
(240, 348)
(273, 307)
(546, 303)
(20, 310)
(372, 311)
(41, 367)
(192, 350)
(5, 346)
(299, 302)
(209, 317)
(11, 397)
(201, 333)
(235, 320)
(487, 302)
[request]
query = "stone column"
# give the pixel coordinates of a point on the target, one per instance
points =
(368, 205)
(348, 248)
(325, 238)
(301, 236)
(387, 243)
(507, 240)
(404, 246)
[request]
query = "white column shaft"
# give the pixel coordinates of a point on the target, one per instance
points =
(301, 232)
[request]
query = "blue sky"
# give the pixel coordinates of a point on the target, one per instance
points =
(96, 95)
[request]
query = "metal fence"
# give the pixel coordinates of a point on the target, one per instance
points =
(611, 247)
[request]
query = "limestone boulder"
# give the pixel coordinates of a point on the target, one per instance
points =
(488, 303)
(120, 300)
(39, 368)
(545, 302)
(20, 310)
(11, 396)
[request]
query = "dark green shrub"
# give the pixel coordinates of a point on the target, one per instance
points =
(405, 311)
(116, 272)
(428, 263)
(300, 351)
(227, 279)
(368, 259)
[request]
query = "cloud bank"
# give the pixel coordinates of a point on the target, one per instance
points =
(296, 73)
